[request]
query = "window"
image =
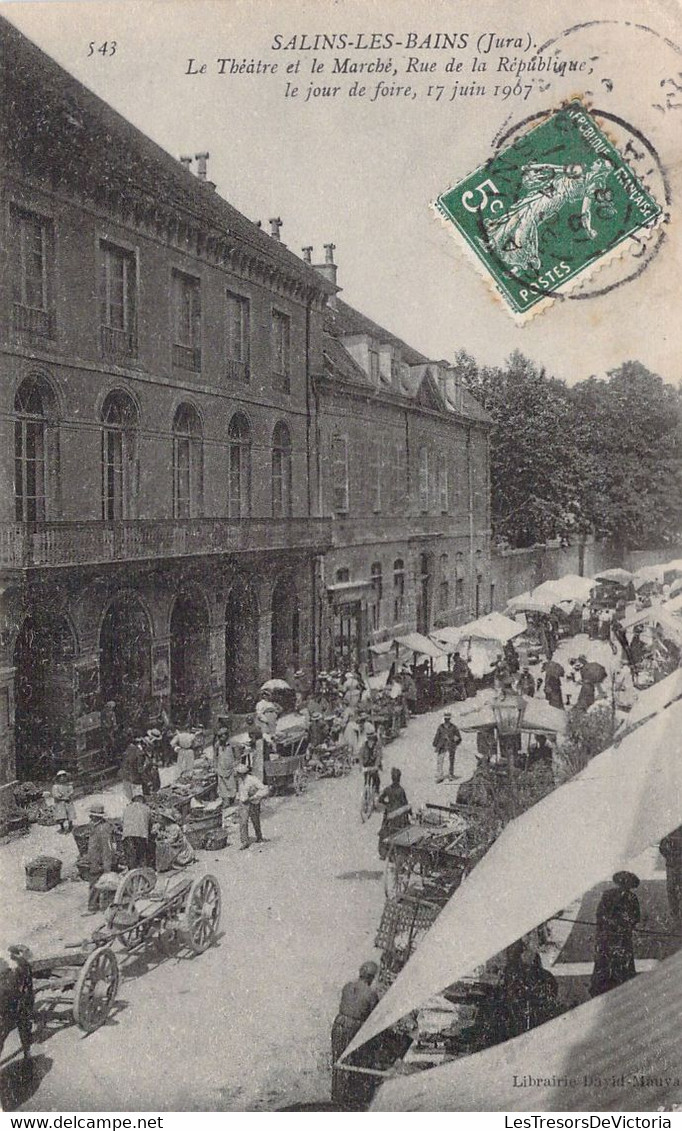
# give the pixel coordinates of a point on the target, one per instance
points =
(186, 294)
(29, 454)
(375, 573)
(237, 344)
(340, 474)
(398, 590)
(239, 467)
(119, 455)
(375, 474)
(281, 471)
(118, 301)
(444, 585)
(424, 479)
(443, 484)
(281, 347)
(395, 371)
(459, 580)
(187, 468)
(399, 478)
(32, 276)
(374, 366)
(342, 575)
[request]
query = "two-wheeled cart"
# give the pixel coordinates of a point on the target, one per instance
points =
(433, 856)
(86, 976)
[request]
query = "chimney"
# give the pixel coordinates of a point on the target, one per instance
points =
(201, 159)
(328, 268)
(275, 225)
(186, 163)
(307, 254)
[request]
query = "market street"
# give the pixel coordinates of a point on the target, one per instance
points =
(246, 1025)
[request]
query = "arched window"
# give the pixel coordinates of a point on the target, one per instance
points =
(119, 456)
(459, 579)
(239, 467)
(424, 479)
(30, 436)
(398, 590)
(187, 469)
(281, 471)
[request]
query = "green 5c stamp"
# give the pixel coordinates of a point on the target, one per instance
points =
(556, 203)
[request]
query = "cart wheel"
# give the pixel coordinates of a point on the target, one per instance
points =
(136, 883)
(397, 873)
(201, 916)
(300, 780)
(96, 988)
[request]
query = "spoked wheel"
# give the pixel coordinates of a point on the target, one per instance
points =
(397, 872)
(136, 884)
(300, 780)
(367, 802)
(96, 988)
(201, 917)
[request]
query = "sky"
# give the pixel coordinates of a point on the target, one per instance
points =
(363, 174)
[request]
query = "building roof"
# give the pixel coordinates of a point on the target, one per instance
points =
(60, 128)
(344, 321)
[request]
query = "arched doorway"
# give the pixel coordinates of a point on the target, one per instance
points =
(424, 589)
(190, 665)
(285, 641)
(241, 646)
(43, 691)
(125, 641)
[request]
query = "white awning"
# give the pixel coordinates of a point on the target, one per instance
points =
(422, 645)
(493, 626)
(625, 800)
(570, 587)
(590, 1059)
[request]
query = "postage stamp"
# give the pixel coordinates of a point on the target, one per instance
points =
(553, 205)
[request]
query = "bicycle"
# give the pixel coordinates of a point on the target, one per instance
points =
(370, 792)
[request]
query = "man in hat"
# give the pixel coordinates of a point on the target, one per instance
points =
(16, 997)
(317, 730)
(618, 913)
(525, 684)
(250, 792)
(670, 849)
(358, 999)
(226, 756)
(446, 740)
(137, 819)
(101, 853)
(64, 808)
(396, 808)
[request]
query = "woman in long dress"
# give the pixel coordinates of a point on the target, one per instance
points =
(618, 914)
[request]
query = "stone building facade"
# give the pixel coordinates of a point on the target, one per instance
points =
(214, 471)
(403, 453)
(159, 529)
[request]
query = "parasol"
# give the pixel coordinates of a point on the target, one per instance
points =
(276, 685)
(592, 672)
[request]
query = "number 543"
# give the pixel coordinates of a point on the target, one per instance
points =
(473, 205)
(106, 48)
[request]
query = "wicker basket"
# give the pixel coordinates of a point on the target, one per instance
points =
(43, 873)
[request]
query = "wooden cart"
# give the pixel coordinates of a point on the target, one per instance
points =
(434, 856)
(289, 769)
(86, 976)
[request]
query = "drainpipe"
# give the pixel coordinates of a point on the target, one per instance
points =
(307, 405)
(469, 474)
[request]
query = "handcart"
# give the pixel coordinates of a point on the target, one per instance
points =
(145, 907)
(434, 855)
(288, 769)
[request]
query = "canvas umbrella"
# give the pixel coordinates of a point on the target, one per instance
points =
(570, 587)
(529, 603)
(624, 801)
(422, 645)
(622, 576)
(536, 716)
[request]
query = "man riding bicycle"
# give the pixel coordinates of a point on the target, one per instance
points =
(371, 761)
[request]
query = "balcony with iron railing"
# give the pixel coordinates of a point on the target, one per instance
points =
(32, 320)
(117, 343)
(186, 357)
(237, 370)
(39, 545)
